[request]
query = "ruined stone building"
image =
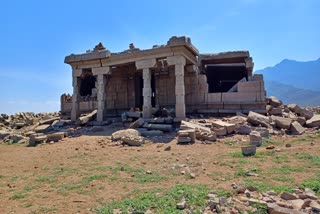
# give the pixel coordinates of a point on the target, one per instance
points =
(173, 76)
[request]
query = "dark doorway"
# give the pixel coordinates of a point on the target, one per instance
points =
(138, 85)
(87, 82)
(223, 78)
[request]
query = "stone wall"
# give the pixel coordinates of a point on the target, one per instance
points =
(165, 89)
(120, 91)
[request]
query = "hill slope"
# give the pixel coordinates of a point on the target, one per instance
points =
(304, 75)
(289, 94)
(294, 82)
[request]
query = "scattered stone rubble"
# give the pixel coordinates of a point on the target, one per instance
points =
(248, 200)
(34, 129)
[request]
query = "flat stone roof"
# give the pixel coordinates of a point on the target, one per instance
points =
(101, 52)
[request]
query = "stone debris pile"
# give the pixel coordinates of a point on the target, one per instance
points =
(34, 129)
(248, 200)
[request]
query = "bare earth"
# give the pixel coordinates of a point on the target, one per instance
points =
(78, 174)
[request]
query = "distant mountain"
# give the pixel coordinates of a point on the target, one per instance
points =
(289, 94)
(294, 82)
(304, 75)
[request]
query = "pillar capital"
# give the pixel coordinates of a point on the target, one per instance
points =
(146, 63)
(176, 60)
(100, 70)
(76, 72)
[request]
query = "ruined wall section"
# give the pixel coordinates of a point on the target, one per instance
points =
(196, 88)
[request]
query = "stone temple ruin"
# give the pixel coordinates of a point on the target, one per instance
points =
(172, 76)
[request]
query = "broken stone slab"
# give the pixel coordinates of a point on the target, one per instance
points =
(275, 111)
(43, 128)
(183, 139)
(249, 150)
(229, 127)
(191, 133)
(84, 119)
(161, 127)
(134, 114)
(274, 101)
(308, 114)
(243, 129)
(151, 133)
(16, 137)
(133, 140)
(136, 124)
(288, 196)
(281, 122)
(20, 125)
(315, 206)
(189, 125)
(222, 131)
(55, 136)
(298, 204)
(258, 119)
(273, 208)
(37, 138)
(301, 120)
(99, 123)
(58, 123)
(296, 128)
(49, 121)
(264, 132)
(314, 121)
(294, 108)
(4, 134)
(255, 138)
(121, 133)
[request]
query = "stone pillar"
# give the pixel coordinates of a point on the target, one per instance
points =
(145, 65)
(179, 62)
(75, 111)
(100, 73)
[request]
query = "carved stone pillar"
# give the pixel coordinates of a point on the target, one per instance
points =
(145, 65)
(75, 111)
(100, 73)
(179, 62)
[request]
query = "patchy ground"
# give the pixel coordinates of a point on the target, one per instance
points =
(85, 173)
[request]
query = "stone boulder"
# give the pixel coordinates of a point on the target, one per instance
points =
(244, 129)
(281, 122)
(133, 140)
(258, 119)
(122, 133)
(294, 108)
(308, 114)
(314, 121)
(274, 102)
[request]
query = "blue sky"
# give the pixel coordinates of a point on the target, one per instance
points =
(37, 35)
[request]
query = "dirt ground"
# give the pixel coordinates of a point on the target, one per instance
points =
(78, 174)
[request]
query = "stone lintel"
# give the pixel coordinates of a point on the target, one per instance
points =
(76, 72)
(176, 60)
(100, 70)
(148, 63)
